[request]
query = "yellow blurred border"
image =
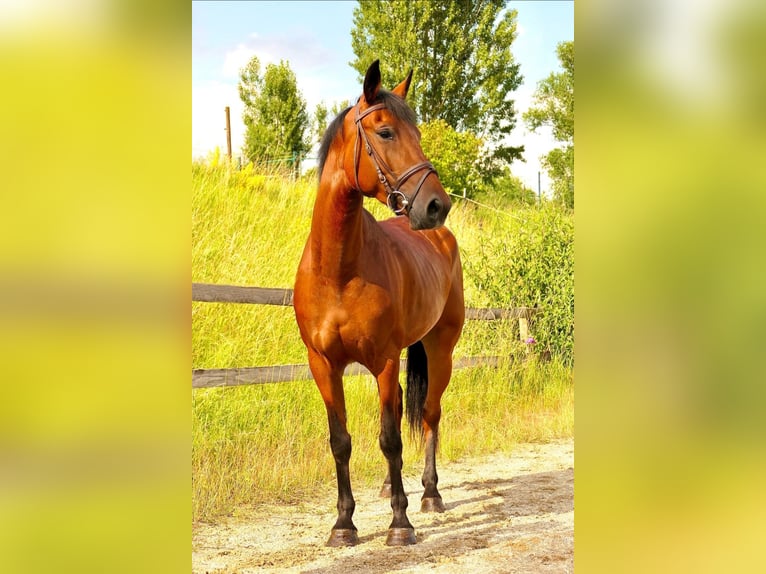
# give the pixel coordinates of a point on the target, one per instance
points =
(670, 177)
(94, 287)
(94, 154)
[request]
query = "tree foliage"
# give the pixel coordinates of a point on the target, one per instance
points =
(507, 191)
(322, 116)
(460, 160)
(338, 107)
(560, 166)
(554, 106)
(319, 122)
(275, 114)
(455, 155)
(461, 52)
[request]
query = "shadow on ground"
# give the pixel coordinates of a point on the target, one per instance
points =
(504, 511)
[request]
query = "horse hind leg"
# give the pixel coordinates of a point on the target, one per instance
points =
(438, 346)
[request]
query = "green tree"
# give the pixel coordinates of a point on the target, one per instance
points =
(319, 122)
(508, 192)
(456, 157)
(338, 107)
(321, 116)
(275, 114)
(554, 106)
(461, 52)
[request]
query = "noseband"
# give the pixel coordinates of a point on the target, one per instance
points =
(396, 199)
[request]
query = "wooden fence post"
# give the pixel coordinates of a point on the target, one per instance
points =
(523, 329)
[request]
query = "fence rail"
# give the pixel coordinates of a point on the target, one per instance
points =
(205, 378)
(235, 294)
(212, 293)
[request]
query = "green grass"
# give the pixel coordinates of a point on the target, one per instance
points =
(270, 442)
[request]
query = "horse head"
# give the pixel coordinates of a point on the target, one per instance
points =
(386, 159)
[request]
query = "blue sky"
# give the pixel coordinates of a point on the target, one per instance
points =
(315, 38)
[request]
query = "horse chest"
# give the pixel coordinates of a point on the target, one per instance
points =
(346, 323)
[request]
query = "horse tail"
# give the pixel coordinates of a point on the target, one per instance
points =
(417, 387)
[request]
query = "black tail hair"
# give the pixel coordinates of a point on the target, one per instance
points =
(417, 387)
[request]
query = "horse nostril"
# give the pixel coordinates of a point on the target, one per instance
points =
(434, 208)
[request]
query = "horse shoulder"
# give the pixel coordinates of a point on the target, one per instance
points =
(444, 241)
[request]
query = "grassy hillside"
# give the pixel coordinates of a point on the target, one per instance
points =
(263, 442)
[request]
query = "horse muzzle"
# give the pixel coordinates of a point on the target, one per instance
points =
(429, 212)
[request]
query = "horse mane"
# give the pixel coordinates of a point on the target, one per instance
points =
(329, 135)
(394, 104)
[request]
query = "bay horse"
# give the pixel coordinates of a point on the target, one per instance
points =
(365, 290)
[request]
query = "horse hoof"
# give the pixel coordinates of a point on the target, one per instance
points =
(385, 490)
(400, 537)
(343, 537)
(432, 505)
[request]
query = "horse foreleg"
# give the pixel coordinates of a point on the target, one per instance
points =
(401, 532)
(330, 383)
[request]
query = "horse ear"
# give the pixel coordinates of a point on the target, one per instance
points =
(372, 82)
(404, 87)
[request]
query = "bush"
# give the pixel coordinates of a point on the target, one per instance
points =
(530, 262)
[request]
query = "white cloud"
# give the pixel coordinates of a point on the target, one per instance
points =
(301, 49)
(236, 59)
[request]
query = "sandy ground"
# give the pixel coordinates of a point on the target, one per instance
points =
(505, 513)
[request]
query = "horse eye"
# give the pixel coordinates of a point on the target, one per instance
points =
(386, 134)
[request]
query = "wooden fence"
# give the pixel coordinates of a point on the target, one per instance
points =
(283, 373)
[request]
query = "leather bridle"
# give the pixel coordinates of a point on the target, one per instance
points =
(396, 199)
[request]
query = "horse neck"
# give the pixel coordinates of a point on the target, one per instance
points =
(337, 230)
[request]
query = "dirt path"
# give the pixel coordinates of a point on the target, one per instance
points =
(504, 514)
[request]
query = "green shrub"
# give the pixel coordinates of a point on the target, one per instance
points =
(529, 261)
